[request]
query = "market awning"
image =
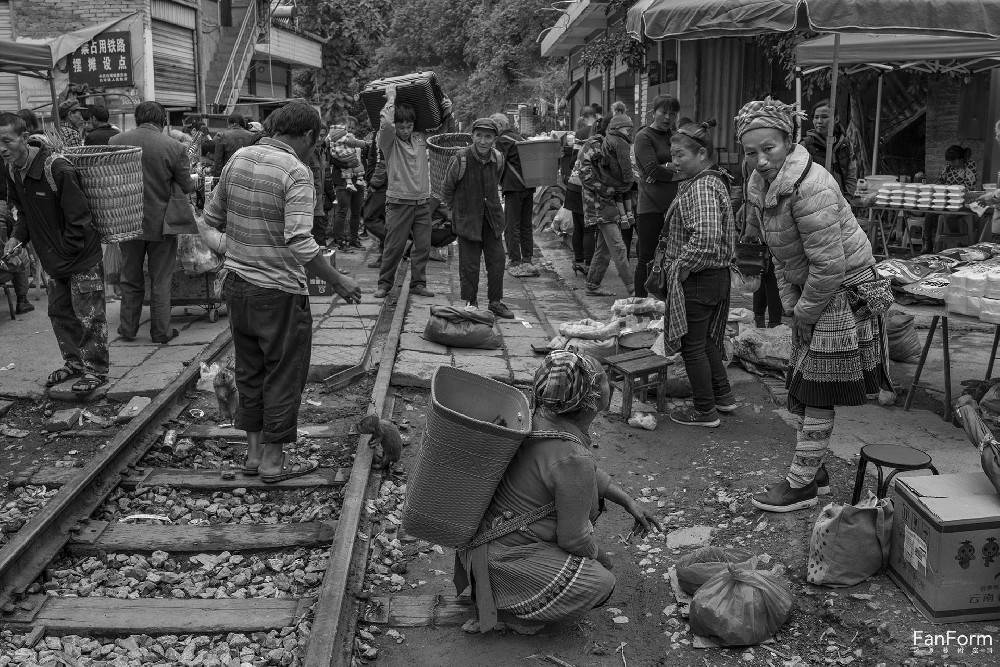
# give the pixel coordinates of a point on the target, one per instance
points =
(927, 53)
(35, 57)
(695, 19)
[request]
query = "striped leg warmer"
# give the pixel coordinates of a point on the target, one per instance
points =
(811, 447)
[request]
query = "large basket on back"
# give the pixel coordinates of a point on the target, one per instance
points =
(474, 427)
(111, 177)
(441, 147)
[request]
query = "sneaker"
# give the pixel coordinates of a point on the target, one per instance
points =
(500, 309)
(472, 305)
(363, 234)
(23, 306)
(822, 481)
(420, 290)
(781, 497)
(691, 417)
(380, 293)
(726, 404)
(435, 255)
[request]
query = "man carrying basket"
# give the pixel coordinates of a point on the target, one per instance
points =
(54, 215)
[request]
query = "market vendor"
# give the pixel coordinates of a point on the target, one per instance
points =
(542, 570)
(961, 170)
(993, 198)
(845, 165)
(824, 265)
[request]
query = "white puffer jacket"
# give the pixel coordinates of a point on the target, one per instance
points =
(810, 230)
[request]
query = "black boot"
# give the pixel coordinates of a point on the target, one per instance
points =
(23, 306)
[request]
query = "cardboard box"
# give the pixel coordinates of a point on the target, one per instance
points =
(318, 286)
(946, 546)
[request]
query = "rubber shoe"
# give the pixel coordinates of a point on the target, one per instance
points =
(726, 404)
(23, 306)
(421, 291)
(781, 497)
(691, 417)
(822, 481)
(380, 293)
(500, 309)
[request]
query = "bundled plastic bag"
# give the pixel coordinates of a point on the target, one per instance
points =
(850, 542)
(762, 350)
(457, 327)
(697, 567)
(195, 257)
(983, 440)
(636, 305)
(740, 607)
(599, 349)
(562, 223)
(215, 239)
(741, 283)
(206, 379)
(591, 329)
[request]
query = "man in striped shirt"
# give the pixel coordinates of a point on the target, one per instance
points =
(264, 203)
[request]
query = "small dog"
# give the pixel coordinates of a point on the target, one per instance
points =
(226, 394)
(383, 432)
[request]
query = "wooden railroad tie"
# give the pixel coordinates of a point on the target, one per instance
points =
(186, 478)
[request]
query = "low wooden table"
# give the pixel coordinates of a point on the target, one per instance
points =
(639, 370)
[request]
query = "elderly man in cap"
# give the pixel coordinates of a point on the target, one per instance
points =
(71, 123)
(471, 191)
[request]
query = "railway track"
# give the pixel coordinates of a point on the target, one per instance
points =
(155, 538)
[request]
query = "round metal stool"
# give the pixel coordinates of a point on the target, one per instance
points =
(899, 457)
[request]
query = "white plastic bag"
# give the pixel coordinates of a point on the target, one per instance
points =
(206, 381)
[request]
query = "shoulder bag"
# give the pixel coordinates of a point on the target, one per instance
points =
(179, 218)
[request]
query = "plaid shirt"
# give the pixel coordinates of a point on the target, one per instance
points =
(264, 203)
(71, 136)
(966, 176)
(701, 233)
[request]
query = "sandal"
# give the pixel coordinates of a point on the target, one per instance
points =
(290, 469)
(61, 375)
(88, 383)
(249, 471)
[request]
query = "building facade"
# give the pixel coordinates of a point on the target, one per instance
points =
(192, 56)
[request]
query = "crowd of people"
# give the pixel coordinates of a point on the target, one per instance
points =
(274, 189)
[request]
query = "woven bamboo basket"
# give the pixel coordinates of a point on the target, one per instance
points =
(111, 177)
(441, 147)
(463, 456)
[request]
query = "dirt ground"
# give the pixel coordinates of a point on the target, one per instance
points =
(697, 477)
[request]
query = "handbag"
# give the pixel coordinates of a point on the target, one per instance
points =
(179, 217)
(850, 542)
(751, 258)
(656, 277)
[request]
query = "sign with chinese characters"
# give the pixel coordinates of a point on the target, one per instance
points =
(106, 60)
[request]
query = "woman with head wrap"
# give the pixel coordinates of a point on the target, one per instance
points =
(824, 265)
(548, 570)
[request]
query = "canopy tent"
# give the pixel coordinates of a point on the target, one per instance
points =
(925, 53)
(698, 19)
(888, 52)
(38, 57)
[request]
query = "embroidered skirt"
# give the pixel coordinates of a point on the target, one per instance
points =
(541, 582)
(846, 359)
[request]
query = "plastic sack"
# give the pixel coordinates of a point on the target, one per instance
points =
(764, 349)
(598, 349)
(112, 263)
(637, 305)
(215, 239)
(195, 257)
(850, 542)
(904, 344)
(697, 567)
(642, 420)
(741, 283)
(206, 379)
(457, 327)
(740, 607)
(563, 221)
(591, 329)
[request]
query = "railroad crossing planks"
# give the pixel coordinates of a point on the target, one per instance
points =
(103, 616)
(209, 432)
(184, 478)
(415, 611)
(97, 536)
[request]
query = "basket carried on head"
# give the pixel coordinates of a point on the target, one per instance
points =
(441, 147)
(111, 177)
(474, 427)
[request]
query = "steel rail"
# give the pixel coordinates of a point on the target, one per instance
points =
(25, 557)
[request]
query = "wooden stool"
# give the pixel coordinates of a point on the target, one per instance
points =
(898, 457)
(639, 370)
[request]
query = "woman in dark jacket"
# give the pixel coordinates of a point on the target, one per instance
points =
(845, 166)
(584, 238)
(657, 187)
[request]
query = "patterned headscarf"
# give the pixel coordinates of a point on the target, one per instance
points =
(565, 380)
(768, 112)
